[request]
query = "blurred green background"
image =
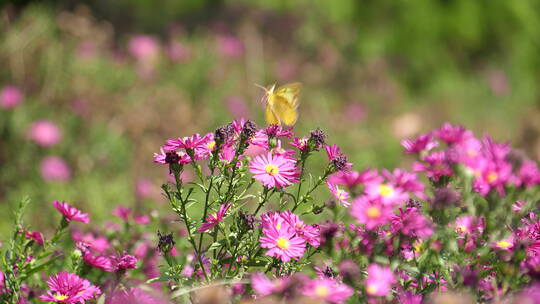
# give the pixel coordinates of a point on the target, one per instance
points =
(117, 78)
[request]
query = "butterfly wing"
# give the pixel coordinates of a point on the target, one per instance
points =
(284, 111)
(271, 118)
(290, 92)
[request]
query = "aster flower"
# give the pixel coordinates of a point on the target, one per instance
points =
(379, 280)
(69, 288)
(388, 194)
(506, 244)
(132, 296)
(451, 134)
(124, 262)
(341, 195)
(528, 174)
(35, 236)
(435, 165)
(327, 289)
(171, 157)
(422, 143)
(98, 261)
(213, 219)
(300, 143)
(10, 97)
(351, 178)
(122, 213)
(310, 233)
(370, 212)
(45, 133)
(71, 213)
(274, 171)
(337, 159)
(264, 286)
(412, 223)
(283, 244)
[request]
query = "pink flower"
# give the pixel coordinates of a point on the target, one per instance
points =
(422, 143)
(200, 146)
(264, 286)
(451, 134)
(124, 262)
(379, 280)
(300, 143)
(45, 133)
(327, 289)
(230, 46)
(310, 233)
(528, 174)
(143, 47)
(98, 261)
(214, 219)
(54, 168)
(10, 97)
(171, 157)
(341, 195)
(69, 288)
(351, 178)
(274, 171)
(435, 165)
(412, 223)
(283, 244)
(506, 244)
(132, 295)
(178, 52)
(388, 194)
(371, 212)
(71, 213)
(338, 159)
(35, 236)
(122, 212)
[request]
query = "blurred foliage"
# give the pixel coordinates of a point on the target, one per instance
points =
(374, 72)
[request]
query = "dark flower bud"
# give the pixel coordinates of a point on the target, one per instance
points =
(339, 162)
(328, 231)
(412, 203)
(328, 272)
(445, 196)
(172, 158)
(248, 220)
(166, 242)
(249, 129)
(349, 270)
(317, 139)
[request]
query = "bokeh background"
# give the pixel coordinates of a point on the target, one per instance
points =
(90, 90)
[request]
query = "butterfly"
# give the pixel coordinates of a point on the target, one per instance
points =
(282, 104)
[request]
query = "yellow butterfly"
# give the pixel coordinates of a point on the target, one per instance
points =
(282, 104)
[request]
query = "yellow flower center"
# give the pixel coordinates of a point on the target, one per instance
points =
(322, 291)
(271, 169)
(340, 194)
(61, 297)
(371, 289)
(418, 246)
(492, 176)
(385, 190)
(461, 228)
(504, 244)
(278, 226)
(283, 243)
(211, 145)
(373, 212)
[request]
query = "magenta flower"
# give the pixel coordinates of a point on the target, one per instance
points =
(327, 289)
(338, 159)
(214, 219)
(98, 261)
(341, 195)
(10, 97)
(310, 233)
(422, 143)
(528, 174)
(264, 286)
(132, 295)
(122, 213)
(143, 47)
(54, 168)
(69, 288)
(351, 178)
(388, 194)
(435, 165)
(274, 171)
(412, 223)
(124, 262)
(283, 244)
(300, 143)
(172, 157)
(452, 134)
(45, 133)
(371, 212)
(230, 46)
(71, 213)
(506, 244)
(35, 236)
(379, 280)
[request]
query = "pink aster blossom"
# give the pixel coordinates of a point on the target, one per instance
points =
(214, 219)
(166, 157)
(283, 244)
(379, 280)
(528, 174)
(132, 295)
(451, 134)
(300, 143)
(98, 261)
(506, 244)
(143, 47)
(264, 286)
(274, 171)
(35, 236)
(341, 195)
(422, 143)
(352, 178)
(55, 169)
(310, 233)
(411, 222)
(327, 289)
(435, 165)
(388, 193)
(71, 213)
(10, 97)
(230, 46)
(69, 288)
(371, 212)
(122, 213)
(124, 262)
(45, 133)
